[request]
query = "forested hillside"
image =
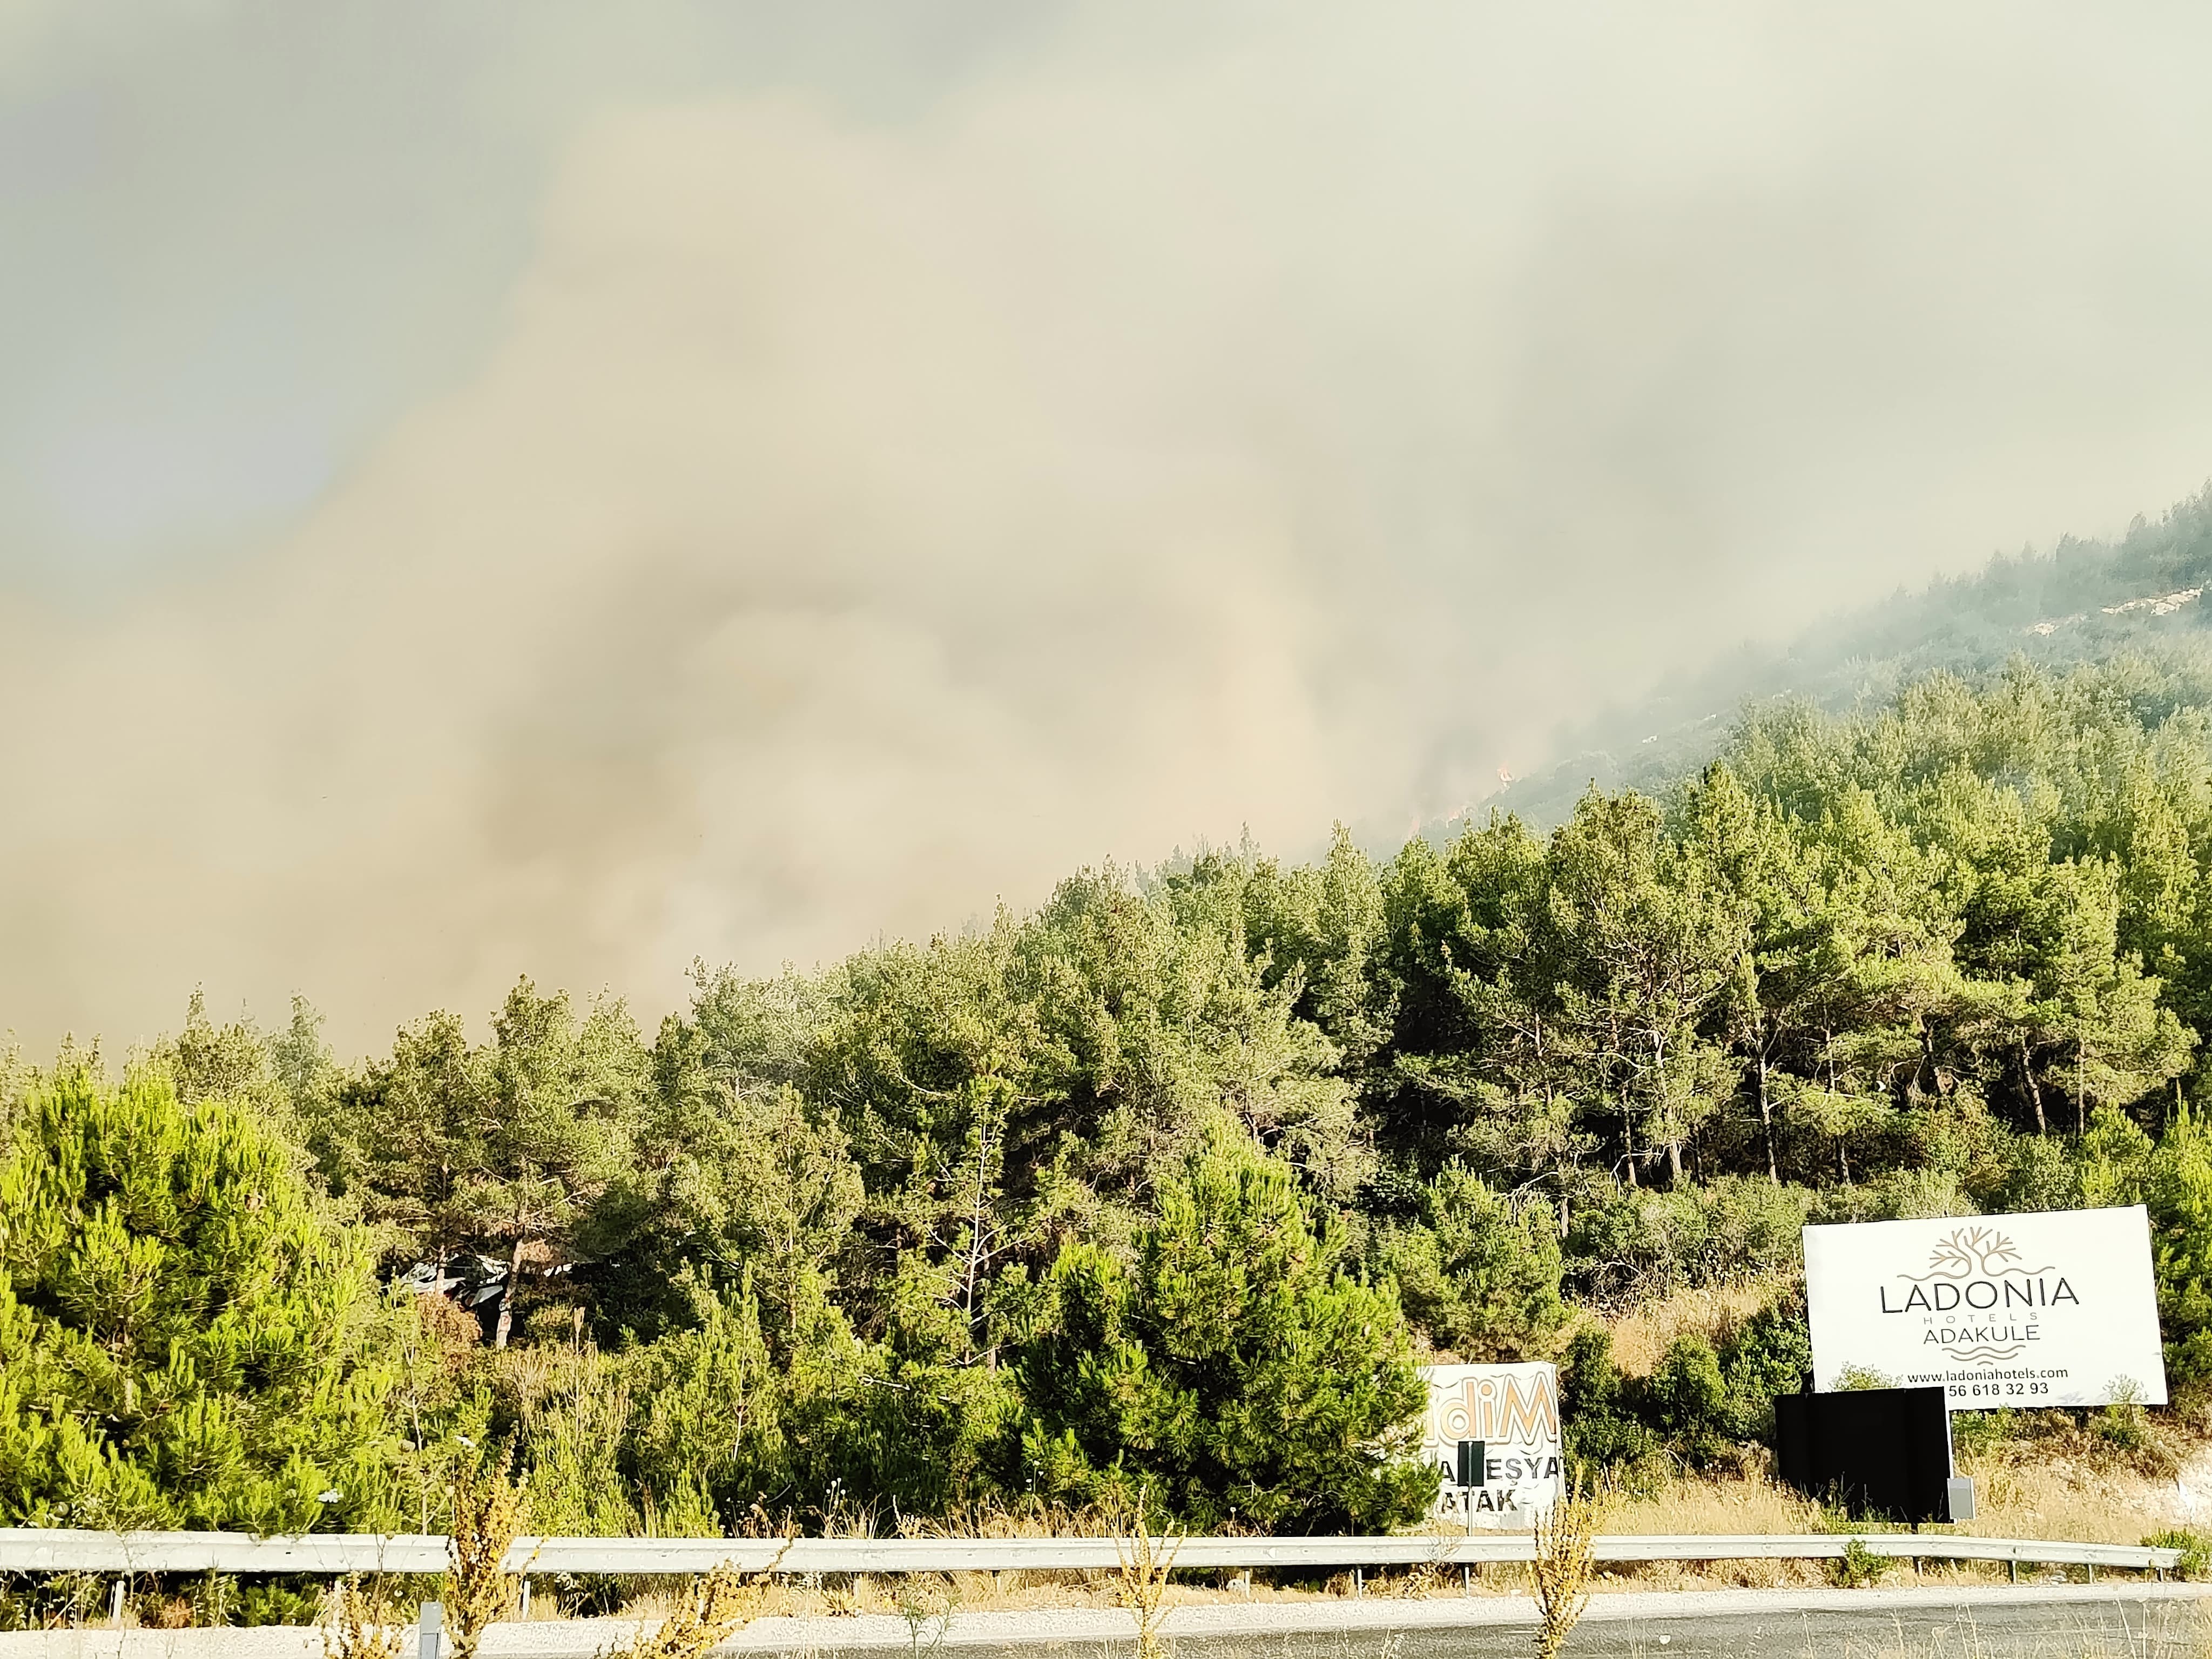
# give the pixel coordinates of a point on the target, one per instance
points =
(2079, 602)
(1166, 1185)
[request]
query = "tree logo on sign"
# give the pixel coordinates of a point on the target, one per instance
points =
(1973, 1253)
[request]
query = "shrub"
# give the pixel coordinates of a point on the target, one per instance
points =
(1754, 1229)
(1687, 1399)
(1770, 1353)
(2114, 1159)
(1634, 1241)
(2039, 1173)
(1973, 1433)
(1700, 1401)
(1600, 1426)
(280, 1602)
(1859, 1567)
(1478, 1272)
(2195, 1550)
(1895, 1195)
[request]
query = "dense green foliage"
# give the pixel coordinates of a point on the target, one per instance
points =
(1231, 1369)
(1701, 1401)
(183, 1341)
(1166, 1185)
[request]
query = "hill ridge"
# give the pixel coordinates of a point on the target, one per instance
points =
(2084, 600)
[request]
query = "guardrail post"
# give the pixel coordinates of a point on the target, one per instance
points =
(115, 1604)
(2013, 1566)
(431, 1644)
(523, 1611)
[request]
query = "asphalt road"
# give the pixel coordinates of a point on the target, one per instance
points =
(2114, 1619)
(2110, 1627)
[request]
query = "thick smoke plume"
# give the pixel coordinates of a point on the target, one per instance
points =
(1188, 422)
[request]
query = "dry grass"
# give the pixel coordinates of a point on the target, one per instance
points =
(2018, 1499)
(1642, 1335)
(2027, 1489)
(2031, 1502)
(838, 1595)
(1731, 1504)
(2023, 1496)
(2021, 1492)
(1712, 1505)
(1031, 1520)
(1416, 1583)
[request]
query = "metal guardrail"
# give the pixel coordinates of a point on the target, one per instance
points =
(43, 1551)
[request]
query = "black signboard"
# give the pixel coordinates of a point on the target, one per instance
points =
(1882, 1453)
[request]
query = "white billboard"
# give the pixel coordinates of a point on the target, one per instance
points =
(2051, 1309)
(1514, 1412)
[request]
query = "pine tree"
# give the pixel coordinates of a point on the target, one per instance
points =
(1480, 1271)
(1651, 948)
(1236, 1369)
(183, 1340)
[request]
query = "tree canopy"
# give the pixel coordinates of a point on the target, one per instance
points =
(1166, 1185)
(183, 1340)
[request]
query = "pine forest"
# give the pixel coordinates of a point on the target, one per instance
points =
(1168, 1186)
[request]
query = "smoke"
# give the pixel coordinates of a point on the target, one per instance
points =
(1189, 422)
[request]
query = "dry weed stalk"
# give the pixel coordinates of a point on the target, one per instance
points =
(1145, 1559)
(364, 1623)
(712, 1611)
(487, 1516)
(1422, 1579)
(1566, 1538)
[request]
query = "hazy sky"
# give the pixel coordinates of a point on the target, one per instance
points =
(571, 488)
